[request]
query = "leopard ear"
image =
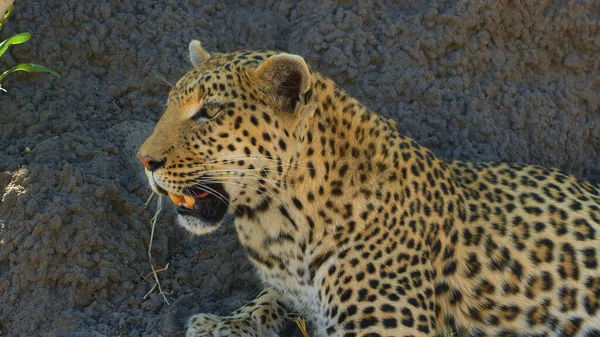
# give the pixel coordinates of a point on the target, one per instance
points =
(286, 78)
(197, 53)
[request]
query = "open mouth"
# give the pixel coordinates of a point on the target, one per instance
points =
(208, 202)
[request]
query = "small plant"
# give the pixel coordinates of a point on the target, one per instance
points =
(17, 39)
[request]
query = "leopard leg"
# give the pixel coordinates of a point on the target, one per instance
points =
(264, 316)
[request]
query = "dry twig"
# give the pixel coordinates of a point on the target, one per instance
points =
(301, 323)
(154, 270)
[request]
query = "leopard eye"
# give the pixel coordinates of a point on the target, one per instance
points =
(207, 112)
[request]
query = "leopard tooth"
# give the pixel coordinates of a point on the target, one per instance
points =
(177, 199)
(190, 201)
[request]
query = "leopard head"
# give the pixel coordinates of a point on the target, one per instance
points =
(230, 134)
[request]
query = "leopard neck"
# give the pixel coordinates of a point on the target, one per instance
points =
(353, 163)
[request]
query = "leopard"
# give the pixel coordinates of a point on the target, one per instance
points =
(359, 229)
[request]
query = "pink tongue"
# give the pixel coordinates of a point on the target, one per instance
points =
(201, 195)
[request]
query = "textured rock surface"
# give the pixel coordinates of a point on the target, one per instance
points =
(474, 80)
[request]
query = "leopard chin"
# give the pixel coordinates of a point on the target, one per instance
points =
(196, 225)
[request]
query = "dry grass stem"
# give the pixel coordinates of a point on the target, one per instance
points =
(154, 270)
(301, 323)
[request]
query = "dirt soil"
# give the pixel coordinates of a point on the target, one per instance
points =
(474, 80)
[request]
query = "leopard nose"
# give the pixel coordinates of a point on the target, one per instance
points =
(151, 163)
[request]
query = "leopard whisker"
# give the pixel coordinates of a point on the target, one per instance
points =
(155, 74)
(253, 186)
(217, 194)
(271, 168)
(233, 159)
(246, 173)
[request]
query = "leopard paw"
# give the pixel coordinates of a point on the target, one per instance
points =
(207, 325)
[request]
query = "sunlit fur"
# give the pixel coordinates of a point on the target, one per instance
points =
(363, 231)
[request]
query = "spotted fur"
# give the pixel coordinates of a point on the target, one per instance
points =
(363, 231)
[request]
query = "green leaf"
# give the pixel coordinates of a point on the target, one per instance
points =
(28, 67)
(6, 15)
(15, 39)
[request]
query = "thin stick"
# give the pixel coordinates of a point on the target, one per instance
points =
(301, 323)
(162, 293)
(154, 220)
(150, 291)
(154, 271)
(148, 201)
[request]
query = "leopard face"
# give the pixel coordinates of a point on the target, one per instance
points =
(224, 142)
